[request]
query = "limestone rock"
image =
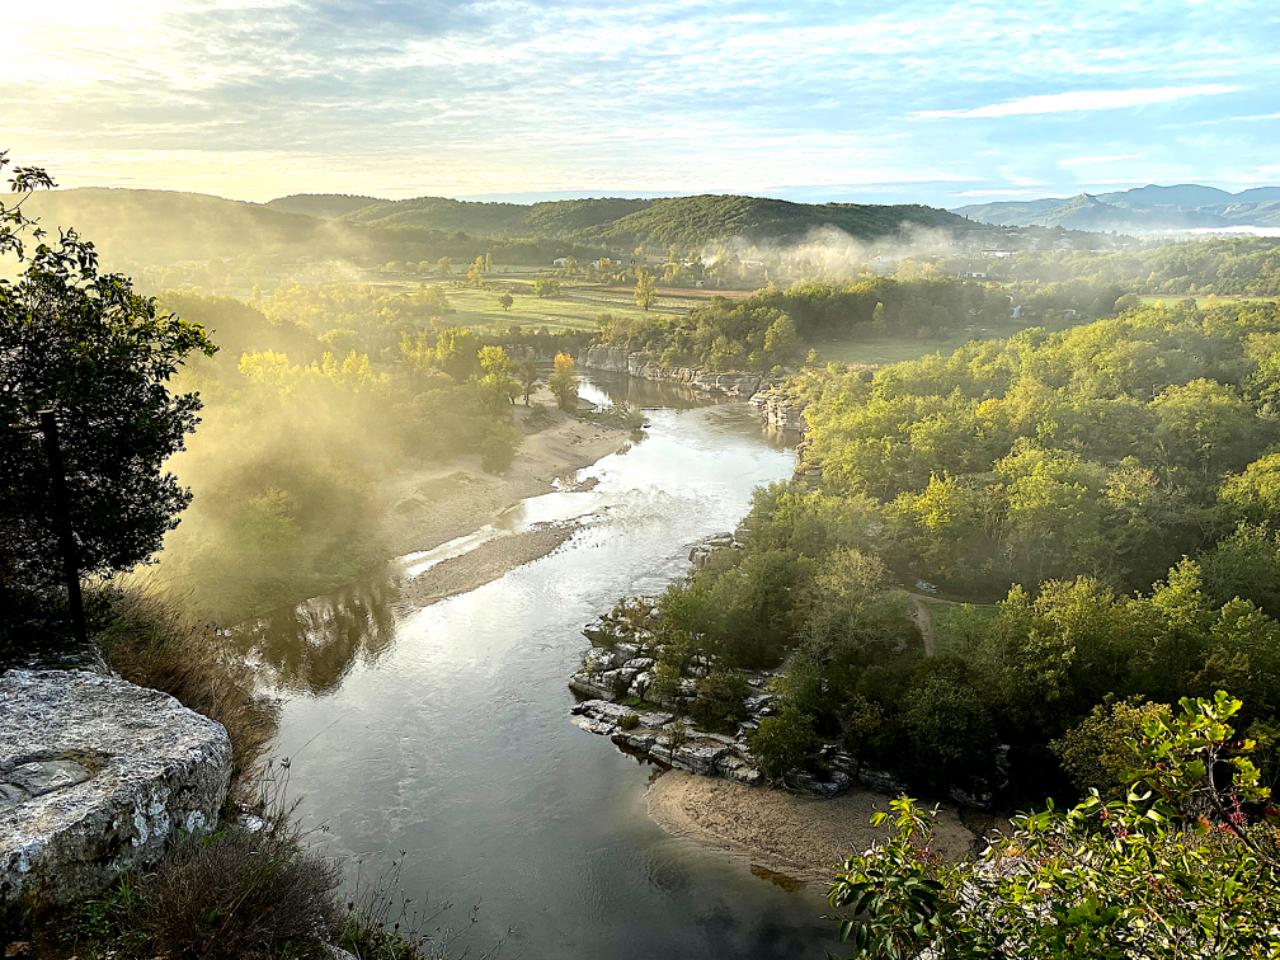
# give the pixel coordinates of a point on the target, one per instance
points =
(97, 775)
(780, 410)
(645, 367)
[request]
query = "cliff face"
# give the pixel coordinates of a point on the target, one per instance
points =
(646, 367)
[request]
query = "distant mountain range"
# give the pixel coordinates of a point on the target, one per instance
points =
(1140, 210)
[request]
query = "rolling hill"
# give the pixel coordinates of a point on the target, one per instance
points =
(687, 222)
(161, 227)
(1140, 210)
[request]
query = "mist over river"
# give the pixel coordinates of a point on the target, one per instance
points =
(444, 731)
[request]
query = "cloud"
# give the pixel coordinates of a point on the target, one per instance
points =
(1002, 192)
(1098, 160)
(1083, 100)
(408, 97)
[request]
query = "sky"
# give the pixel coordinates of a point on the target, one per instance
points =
(932, 102)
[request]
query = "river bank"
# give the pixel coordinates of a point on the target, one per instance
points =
(797, 836)
(433, 508)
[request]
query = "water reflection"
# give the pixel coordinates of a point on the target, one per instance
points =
(309, 648)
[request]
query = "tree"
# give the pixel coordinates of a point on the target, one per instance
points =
(444, 266)
(780, 340)
(1097, 753)
(85, 345)
(785, 743)
(475, 272)
(646, 289)
(528, 378)
(546, 287)
(505, 301)
(1182, 866)
(498, 380)
(564, 381)
(457, 352)
(1254, 495)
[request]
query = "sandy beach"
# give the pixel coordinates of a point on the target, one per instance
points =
(800, 837)
(433, 507)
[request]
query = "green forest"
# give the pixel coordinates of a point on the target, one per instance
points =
(1086, 512)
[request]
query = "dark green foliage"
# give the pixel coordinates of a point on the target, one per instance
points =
(1084, 465)
(946, 726)
(1103, 449)
(686, 221)
(718, 703)
(784, 743)
(88, 347)
(1245, 564)
(1098, 753)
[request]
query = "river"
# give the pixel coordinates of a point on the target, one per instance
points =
(444, 731)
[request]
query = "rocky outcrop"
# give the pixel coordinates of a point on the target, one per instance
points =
(624, 702)
(702, 551)
(645, 366)
(661, 737)
(97, 776)
(779, 409)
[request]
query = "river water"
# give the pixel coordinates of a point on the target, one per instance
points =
(444, 731)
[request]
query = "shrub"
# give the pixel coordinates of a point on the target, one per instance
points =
(785, 743)
(629, 722)
(238, 893)
(718, 704)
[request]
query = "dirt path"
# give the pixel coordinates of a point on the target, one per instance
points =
(922, 617)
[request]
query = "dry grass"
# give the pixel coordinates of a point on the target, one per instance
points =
(247, 891)
(151, 643)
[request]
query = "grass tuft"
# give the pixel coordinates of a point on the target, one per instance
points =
(149, 642)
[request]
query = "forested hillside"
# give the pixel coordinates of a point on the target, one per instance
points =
(146, 228)
(687, 222)
(1067, 477)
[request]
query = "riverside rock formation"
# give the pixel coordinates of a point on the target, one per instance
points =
(779, 409)
(629, 700)
(97, 776)
(645, 366)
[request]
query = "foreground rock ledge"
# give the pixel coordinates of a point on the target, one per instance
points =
(97, 775)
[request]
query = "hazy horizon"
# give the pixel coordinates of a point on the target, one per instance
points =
(944, 103)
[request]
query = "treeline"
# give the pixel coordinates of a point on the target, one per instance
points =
(773, 326)
(1242, 266)
(1064, 472)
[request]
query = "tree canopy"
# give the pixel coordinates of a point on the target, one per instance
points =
(85, 345)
